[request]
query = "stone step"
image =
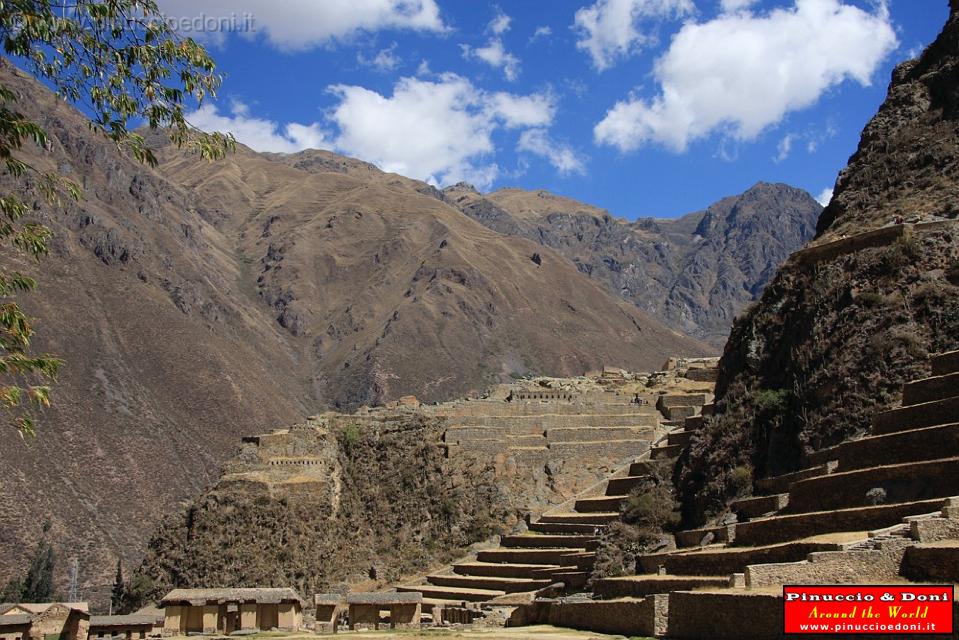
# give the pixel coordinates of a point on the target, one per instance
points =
(458, 594)
(539, 423)
(719, 560)
(678, 413)
(549, 541)
(945, 363)
(930, 389)
(680, 400)
(602, 504)
(916, 416)
(644, 585)
(681, 438)
(708, 535)
(573, 580)
(907, 482)
(528, 556)
(666, 452)
(502, 570)
(781, 528)
(694, 423)
(622, 486)
(780, 484)
(914, 445)
(598, 434)
(674, 424)
(566, 528)
(709, 409)
(581, 518)
(489, 583)
(643, 468)
(760, 505)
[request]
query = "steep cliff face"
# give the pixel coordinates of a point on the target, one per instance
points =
(695, 272)
(841, 327)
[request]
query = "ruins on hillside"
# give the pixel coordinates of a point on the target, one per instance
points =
(547, 438)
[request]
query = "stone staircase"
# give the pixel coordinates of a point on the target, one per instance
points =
(878, 509)
(557, 552)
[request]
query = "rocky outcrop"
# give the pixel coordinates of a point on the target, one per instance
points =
(695, 272)
(846, 322)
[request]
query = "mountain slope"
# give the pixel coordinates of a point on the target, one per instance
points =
(199, 302)
(366, 271)
(841, 327)
(694, 272)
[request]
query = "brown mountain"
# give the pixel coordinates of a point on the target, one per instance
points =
(847, 321)
(695, 272)
(198, 302)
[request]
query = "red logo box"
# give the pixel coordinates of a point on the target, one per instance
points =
(855, 609)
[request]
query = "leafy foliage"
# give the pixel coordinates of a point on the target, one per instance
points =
(120, 62)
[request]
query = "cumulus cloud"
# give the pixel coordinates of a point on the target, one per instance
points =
(494, 53)
(295, 25)
(824, 197)
(385, 59)
(258, 133)
(608, 30)
(561, 156)
(439, 131)
(741, 73)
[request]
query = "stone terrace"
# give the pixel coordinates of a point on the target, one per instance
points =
(556, 553)
(878, 509)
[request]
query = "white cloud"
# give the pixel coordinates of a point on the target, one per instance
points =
(561, 156)
(439, 131)
(741, 73)
(260, 134)
(534, 110)
(500, 23)
(301, 24)
(784, 148)
(495, 55)
(731, 6)
(608, 29)
(544, 31)
(824, 197)
(385, 60)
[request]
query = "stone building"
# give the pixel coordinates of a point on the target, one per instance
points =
(211, 611)
(44, 621)
(136, 626)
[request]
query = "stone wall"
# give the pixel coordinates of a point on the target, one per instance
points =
(832, 567)
(627, 616)
(734, 615)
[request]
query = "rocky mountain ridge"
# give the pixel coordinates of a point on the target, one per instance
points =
(695, 272)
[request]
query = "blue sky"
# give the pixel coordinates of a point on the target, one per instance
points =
(644, 107)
